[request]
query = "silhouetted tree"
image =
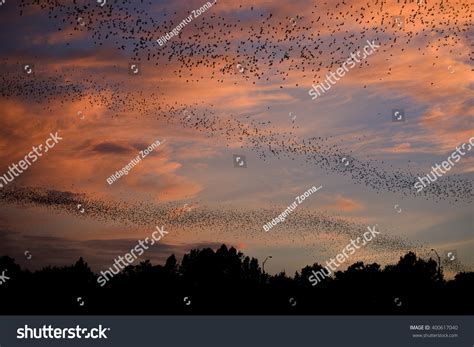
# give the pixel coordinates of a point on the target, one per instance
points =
(228, 282)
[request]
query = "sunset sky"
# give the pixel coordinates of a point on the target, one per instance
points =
(244, 65)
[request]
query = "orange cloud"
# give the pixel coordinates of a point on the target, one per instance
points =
(341, 203)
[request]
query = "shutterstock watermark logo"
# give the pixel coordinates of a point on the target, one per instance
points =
(447, 165)
(240, 161)
(318, 89)
(48, 332)
(14, 169)
(351, 247)
(122, 262)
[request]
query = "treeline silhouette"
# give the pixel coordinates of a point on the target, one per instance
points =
(228, 282)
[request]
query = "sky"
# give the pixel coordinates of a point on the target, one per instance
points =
(235, 82)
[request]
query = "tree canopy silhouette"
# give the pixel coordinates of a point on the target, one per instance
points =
(228, 282)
